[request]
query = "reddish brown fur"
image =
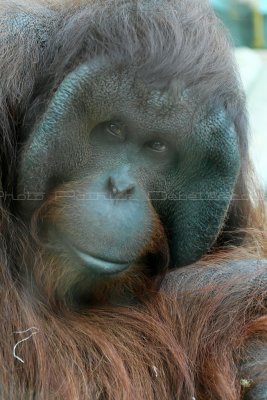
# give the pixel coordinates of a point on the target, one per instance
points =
(196, 336)
(185, 341)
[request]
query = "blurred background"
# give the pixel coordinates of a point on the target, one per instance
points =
(247, 23)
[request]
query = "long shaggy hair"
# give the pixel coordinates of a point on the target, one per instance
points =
(195, 337)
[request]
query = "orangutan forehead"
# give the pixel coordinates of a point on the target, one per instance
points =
(101, 91)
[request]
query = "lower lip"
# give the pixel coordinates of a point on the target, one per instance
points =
(98, 265)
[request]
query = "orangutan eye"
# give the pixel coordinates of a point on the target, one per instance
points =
(115, 129)
(157, 146)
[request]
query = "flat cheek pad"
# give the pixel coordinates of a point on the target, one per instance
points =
(200, 194)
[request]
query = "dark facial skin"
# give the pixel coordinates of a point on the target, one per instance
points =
(123, 166)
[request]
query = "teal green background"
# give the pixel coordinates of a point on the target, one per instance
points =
(239, 20)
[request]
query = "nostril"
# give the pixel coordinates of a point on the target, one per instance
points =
(129, 191)
(120, 188)
(112, 186)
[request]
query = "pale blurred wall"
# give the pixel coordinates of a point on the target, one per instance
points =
(247, 22)
(253, 69)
